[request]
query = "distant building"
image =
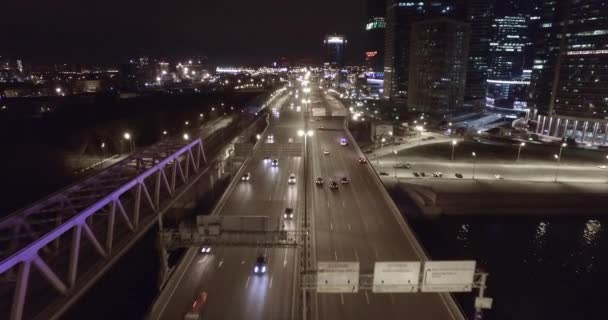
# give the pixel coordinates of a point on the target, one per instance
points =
(399, 18)
(571, 74)
(506, 86)
(335, 46)
(438, 65)
(374, 31)
(480, 14)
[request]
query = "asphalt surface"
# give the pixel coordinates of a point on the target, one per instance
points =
(226, 274)
(352, 223)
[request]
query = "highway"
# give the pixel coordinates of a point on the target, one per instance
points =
(226, 274)
(354, 223)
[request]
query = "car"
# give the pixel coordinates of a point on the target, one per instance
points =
(326, 152)
(602, 167)
(344, 180)
(382, 173)
(437, 174)
(321, 128)
(333, 185)
(319, 181)
(198, 307)
(275, 162)
(260, 265)
(246, 176)
(416, 174)
(422, 174)
(362, 160)
(205, 249)
(458, 175)
(343, 141)
(288, 213)
(368, 151)
(266, 158)
(291, 179)
(499, 177)
(403, 166)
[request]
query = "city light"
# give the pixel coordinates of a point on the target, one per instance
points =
(186, 136)
(127, 136)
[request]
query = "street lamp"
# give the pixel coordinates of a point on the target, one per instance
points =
(127, 137)
(382, 144)
(419, 129)
(558, 158)
(474, 162)
(164, 132)
(454, 143)
(186, 137)
(523, 144)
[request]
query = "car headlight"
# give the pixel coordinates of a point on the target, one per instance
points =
(256, 269)
(285, 215)
(263, 269)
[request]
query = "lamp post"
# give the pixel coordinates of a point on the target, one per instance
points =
(305, 134)
(523, 144)
(454, 143)
(128, 137)
(474, 162)
(558, 157)
(419, 129)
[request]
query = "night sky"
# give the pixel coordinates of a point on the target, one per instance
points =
(228, 31)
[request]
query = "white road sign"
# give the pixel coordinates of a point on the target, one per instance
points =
(448, 276)
(337, 277)
(398, 276)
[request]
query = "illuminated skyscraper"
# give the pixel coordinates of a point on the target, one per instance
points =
(374, 31)
(335, 46)
(480, 14)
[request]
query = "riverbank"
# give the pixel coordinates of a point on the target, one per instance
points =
(443, 197)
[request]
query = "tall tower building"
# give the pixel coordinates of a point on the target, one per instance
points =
(374, 31)
(335, 46)
(399, 18)
(506, 86)
(438, 65)
(480, 14)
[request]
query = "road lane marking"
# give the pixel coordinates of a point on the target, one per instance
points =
(343, 205)
(390, 295)
(331, 226)
(219, 265)
(375, 252)
(271, 282)
(342, 298)
(366, 297)
(202, 260)
(266, 252)
(356, 255)
(242, 261)
(247, 283)
(349, 227)
(328, 204)
(285, 259)
(336, 255)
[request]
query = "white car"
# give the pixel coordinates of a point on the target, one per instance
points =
(326, 152)
(246, 177)
(205, 250)
(602, 167)
(292, 179)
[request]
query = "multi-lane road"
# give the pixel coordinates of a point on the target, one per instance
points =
(353, 223)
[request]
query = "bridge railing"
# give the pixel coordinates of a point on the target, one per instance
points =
(45, 265)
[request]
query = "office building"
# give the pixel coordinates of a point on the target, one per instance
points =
(399, 18)
(374, 36)
(480, 14)
(438, 65)
(506, 86)
(335, 46)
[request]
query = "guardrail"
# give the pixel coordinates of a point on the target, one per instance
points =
(448, 299)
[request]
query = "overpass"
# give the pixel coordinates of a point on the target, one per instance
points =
(358, 222)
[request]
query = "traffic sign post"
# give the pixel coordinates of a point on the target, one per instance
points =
(399, 276)
(337, 277)
(448, 276)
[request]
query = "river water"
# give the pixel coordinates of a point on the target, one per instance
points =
(540, 268)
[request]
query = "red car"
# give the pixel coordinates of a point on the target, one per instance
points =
(362, 160)
(197, 307)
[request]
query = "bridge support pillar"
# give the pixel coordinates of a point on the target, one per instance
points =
(23, 278)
